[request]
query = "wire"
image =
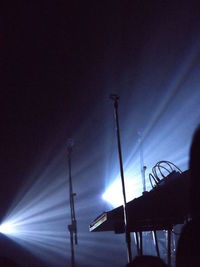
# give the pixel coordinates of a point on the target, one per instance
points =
(150, 179)
(161, 170)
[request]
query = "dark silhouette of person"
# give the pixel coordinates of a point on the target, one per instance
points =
(194, 167)
(188, 248)
(147, 261)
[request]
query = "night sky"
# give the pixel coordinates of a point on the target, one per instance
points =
(59, 63)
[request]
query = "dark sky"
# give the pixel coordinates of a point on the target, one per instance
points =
(61, 60)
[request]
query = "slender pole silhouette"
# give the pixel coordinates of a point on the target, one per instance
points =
(73, 226)
(115, 98)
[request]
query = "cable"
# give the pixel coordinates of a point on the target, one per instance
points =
(150, 179)
(158, 171)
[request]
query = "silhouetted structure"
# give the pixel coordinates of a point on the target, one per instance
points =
(147, 261)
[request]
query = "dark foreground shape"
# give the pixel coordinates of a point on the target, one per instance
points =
(147, 261)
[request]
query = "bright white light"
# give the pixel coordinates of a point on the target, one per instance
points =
(114, 196)
(8, 228)
(37, 222)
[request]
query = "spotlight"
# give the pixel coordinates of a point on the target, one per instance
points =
(37, 222)
(8, 228)
(113, 193)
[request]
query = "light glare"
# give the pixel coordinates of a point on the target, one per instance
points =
(8, 228)
(113, 193)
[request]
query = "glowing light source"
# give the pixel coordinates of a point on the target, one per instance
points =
(8, 228)
(37, 222)
(113, 193)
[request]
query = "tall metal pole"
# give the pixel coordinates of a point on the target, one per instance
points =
(115, 98)
(73, 226)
